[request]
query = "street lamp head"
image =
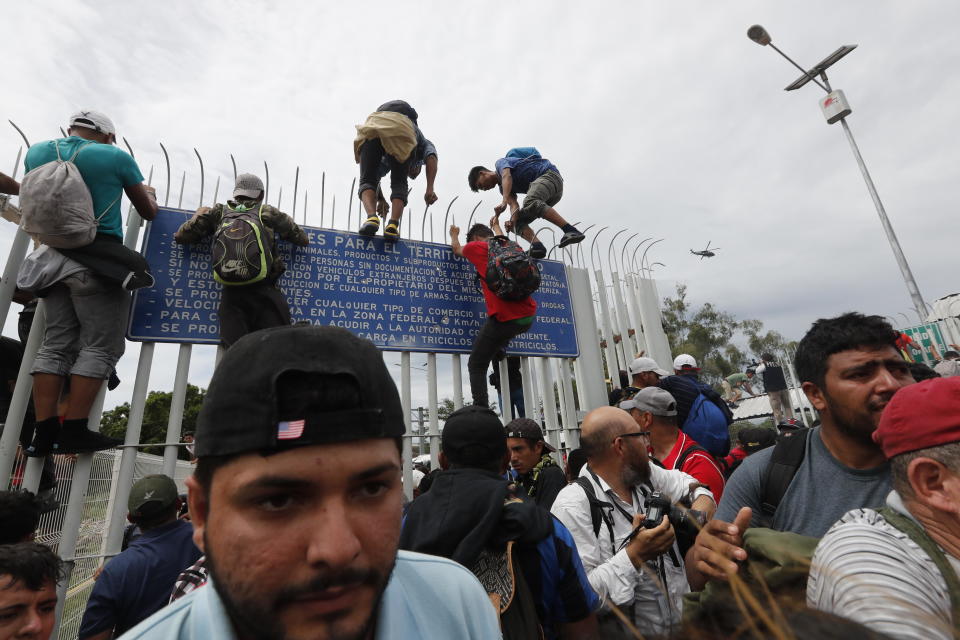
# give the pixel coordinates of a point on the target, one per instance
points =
(759, 35)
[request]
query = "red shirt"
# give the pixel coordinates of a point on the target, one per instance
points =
(502, 310)
(698, 464)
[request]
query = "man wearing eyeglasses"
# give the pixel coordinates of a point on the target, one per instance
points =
(643, 575)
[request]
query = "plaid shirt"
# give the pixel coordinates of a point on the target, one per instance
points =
(191, 578)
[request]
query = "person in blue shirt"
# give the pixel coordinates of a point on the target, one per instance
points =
(473, 516)
(85, 313)
(390, 141)
(137, 583)
(541, 181)
(296, 503)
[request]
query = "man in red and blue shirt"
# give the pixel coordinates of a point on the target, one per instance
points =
(506, 318)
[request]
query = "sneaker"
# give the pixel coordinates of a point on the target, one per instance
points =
(84, 441)
(392, 230)
(538, 253)
(370, 227)
(571, 237)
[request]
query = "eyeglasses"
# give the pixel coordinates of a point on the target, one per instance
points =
(645, 434)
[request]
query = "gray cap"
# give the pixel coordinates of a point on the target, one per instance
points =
(653, 400)
(89, 119)
(248, 186)
(641, 365)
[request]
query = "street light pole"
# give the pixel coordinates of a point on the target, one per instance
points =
(759, 35)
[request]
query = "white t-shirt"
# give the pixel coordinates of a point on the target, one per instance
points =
(869, 571)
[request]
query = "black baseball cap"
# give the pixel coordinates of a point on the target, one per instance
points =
(529, 429)
(753, 439)
(473, 435)
(268, 393)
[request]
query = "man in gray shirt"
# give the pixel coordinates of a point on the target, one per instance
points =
(850, 368)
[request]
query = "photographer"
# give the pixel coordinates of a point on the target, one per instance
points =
(639, 571)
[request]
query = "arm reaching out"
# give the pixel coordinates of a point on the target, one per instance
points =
(506, 185)
(718, 548)
(455, 240)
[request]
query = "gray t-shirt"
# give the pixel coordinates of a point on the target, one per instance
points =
(821, 492)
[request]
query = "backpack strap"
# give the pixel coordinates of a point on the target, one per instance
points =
(600, 511)
(693, 448)
(75, 153)
(916, 533)
(787, 456)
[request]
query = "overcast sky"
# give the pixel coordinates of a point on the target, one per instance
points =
(662, 117)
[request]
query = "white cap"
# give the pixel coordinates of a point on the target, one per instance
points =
(642, 365)
(684, 361)
(248, 186)
(93, 120)
(417, 477)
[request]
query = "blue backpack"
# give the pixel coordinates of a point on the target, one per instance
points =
(524, 153)
(707, 424)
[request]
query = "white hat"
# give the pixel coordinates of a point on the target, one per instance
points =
(93, 120)
(685, 361)
(248, 186)
(642, 365)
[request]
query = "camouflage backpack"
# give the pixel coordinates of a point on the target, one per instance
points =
(511, 273)
(242, 251)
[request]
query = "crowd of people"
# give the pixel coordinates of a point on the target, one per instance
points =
(295, 525)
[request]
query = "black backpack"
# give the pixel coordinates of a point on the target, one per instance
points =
(242, 251)
(511, 273)
(787, 457)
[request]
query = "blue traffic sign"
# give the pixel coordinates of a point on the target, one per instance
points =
(404, 296)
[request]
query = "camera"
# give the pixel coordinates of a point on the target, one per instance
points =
(685, 521)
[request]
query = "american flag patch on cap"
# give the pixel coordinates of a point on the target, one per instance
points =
(289, 430)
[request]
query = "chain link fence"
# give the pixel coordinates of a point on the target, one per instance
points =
(97, 504)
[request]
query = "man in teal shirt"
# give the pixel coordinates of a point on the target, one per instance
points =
(85, 314)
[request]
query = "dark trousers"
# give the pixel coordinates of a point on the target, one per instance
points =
(245, 309)
(493, 337)
(371, 153)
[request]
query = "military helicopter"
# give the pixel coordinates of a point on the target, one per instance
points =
(706, 253)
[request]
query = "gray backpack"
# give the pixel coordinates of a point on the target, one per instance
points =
(56, 206)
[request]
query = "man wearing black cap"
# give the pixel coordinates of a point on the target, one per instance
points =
(475, 517)
(537, 472)
(296, 502)
(137, 583)
(248, 302)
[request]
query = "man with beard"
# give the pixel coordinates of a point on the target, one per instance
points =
(475, 517)
(850, 368)
(296, 502)
(642, 575)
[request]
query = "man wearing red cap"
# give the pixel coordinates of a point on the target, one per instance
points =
(895, 569)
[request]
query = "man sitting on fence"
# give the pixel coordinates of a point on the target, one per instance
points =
(137, 583)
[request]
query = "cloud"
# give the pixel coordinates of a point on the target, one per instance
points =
(664, 119)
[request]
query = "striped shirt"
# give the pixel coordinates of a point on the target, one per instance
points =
(869, 571)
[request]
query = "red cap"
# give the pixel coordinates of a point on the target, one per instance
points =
(926, 414)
